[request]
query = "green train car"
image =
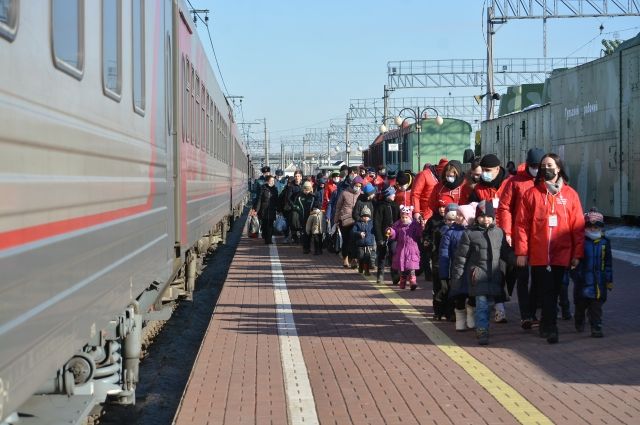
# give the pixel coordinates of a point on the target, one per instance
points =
(399, 150)
(590, 117)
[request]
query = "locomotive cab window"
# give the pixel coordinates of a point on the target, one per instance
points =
(67, 35)
(9, 18)
(138, 52)
(112, 48)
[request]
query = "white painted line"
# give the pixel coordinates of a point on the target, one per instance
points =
(300, 401)
(630, 257)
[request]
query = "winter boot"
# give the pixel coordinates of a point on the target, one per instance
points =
(367, 272)
(412, 283)
(596, 330)
(461, 322)
(500, 315)
(345, 263)
(471, 317)
(395, 276)
(380, 275)
(403, 282)
(483, 336)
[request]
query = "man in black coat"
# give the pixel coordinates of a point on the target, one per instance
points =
(266, 207)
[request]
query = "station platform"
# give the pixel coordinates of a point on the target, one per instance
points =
(299, 339)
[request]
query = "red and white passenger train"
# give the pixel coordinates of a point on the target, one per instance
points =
(120, 165)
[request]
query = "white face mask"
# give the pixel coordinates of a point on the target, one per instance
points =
(405, 219)
(451, 179)
(533, 171)
(593, 234)
(487, 176)
(336, 179)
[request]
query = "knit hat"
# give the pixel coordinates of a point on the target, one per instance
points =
(322, 180)
(365, 212)
(468, 212)
(485, 208)
(593, 217)
(388, 191)
(445, 200)
(452, 207)
(489, 161)
(440, 167)
(392, 174)
(368, 189)
(406, 210)
(357, 180)
(265, 169)
(307, 185)
(534, 156)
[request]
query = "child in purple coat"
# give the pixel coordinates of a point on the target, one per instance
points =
(406, 259)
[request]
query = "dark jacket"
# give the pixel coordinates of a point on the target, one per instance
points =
(384, 215)
(448, 244)
(302, 206)
(367, 228)
(478, 256)
(432, 235)
(288, 195)
(266, 203)
(593, 273)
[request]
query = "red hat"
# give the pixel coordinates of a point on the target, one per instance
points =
(440, 167)
(445, 200)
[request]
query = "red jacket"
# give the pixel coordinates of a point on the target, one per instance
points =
(514, 189)
(329, 188)
(491, 192)
(460, 195)
(403, 198)
(421, 189)
(379, 183)
(543, 244)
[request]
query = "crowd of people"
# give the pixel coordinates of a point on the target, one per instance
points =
(476, 235)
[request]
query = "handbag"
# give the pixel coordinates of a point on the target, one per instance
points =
(253, 228)
(280, 225)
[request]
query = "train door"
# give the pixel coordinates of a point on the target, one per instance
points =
(170, 77)
(630, 131)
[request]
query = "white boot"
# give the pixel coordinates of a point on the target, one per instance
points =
(471, 317)
(461, 323)
(500, 315)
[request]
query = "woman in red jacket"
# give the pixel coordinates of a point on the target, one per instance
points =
(550, 236)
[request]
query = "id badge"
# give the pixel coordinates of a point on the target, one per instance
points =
(496, 201)
(553, 220)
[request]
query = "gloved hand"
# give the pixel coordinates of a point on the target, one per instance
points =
(609, 286)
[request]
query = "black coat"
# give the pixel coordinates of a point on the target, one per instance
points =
(385, 214)
(478, 254)
(267, 202)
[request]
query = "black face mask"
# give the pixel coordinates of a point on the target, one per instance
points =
(475, 179)
(549, 174)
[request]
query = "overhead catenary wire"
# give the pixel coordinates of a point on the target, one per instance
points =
(215, 57)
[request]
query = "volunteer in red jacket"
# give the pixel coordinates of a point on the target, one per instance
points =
(426, 181)
(490, 187)
(550, 236)
(514, 189)
(452, 183)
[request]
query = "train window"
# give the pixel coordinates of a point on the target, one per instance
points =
(67, 35)
(9, 18)
(185, 99)
(138, 52)
(112, 48)
(168, 86)
(206, 124)
(196, 117)
(192, 80)
(203, 116)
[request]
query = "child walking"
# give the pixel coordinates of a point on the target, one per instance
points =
(435, 227)
(364, 241)
(316, 227)
(479, 252)
(594, 275)
(406, 259)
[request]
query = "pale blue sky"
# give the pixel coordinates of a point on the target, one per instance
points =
(298, 63)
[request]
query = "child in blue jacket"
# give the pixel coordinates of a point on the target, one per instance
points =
(364, 241)
(594, 275)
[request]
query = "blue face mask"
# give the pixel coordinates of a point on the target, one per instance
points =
(486, 176)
